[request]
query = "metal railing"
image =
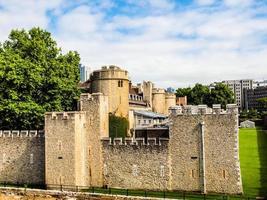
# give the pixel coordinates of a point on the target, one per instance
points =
(129, 192)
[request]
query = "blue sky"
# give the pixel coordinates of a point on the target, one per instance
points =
(172, 43)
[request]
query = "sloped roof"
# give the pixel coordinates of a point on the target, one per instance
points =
(149, 114)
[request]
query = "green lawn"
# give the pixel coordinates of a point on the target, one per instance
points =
(253, 159)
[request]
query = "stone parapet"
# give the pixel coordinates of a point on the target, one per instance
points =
(107, 141)
(203, 109)
(22, 133)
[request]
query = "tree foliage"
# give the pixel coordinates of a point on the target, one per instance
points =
(201, 94)
(262, 101)
(35, 77)
(118, 126)
(221, 94)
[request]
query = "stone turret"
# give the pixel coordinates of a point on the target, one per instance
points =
(170, 101)
(158, 102)
(113, 82)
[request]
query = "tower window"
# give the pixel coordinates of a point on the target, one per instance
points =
(120, 83)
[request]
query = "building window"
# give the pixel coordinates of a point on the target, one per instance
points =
(149, 121)
(139, 122)
(144, 121)
(120, 83)
(31, 158)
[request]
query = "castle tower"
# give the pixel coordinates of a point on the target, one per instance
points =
(73, 154)
(158, 100)
(147, 91)
(170, 101)
(114, 83)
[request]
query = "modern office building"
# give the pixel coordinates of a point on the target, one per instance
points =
(251, 97)
(84, 72)
(262, 83)
(238, 87)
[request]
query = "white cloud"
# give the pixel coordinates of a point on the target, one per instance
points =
(172, 48)
(205, 2)
(24, 14)
(239, 3)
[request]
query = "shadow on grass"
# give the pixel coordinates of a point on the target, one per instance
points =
(262, 150)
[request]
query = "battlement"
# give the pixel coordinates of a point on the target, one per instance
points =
(135, 141)
(203, 109)
(91, 97)
(158, 91)
(62, 115)
(170, 96)
(22, 133)
(110, 67)
(109, 72)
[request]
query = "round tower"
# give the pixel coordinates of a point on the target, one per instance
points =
(158, 100)
(114, 83)
(170, 101)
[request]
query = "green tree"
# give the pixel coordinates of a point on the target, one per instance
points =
(181, 92)
(35, 77)
(221, 94)
(262, 101)
(199, 94)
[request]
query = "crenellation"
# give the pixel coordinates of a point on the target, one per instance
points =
(163, 141)
(202, 109)
(21, 134)
(216, 108)
(107, 141)
(128, 141)
(117, 141)
(140, 141)
(152, 141)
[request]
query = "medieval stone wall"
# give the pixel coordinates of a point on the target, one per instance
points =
(201, 155)
(97, 126)
(66, 149)
(22, 157)
(73, 145)
(134, 165)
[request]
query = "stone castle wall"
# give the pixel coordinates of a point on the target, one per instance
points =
(66, 149)
(73, 148)
(97, 126)
(135, 165)
(201, 155)
(22, 157)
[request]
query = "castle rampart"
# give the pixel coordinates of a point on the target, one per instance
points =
(73, 148)
(134, 164)
(22, 156)
(200, 155)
